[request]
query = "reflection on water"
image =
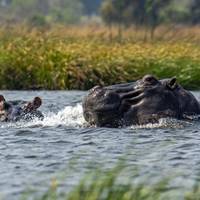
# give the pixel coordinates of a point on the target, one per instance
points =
(33, 153)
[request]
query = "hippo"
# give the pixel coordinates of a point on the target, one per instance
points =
(137, 103)
(20, 110)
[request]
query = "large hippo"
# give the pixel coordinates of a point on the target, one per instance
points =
(19, 110)
(141, 102)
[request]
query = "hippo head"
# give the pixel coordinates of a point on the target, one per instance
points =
(19, 110)
(101, 107)
(144, 101)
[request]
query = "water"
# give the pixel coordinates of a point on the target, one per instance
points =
(34, 153)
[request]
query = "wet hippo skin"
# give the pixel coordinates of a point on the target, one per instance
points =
(141, 102)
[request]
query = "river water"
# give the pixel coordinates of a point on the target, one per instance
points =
(33, 154)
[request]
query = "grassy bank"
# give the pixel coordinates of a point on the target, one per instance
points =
(79, 58)
(111, 185)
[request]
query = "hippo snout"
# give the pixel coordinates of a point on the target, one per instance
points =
(101, 105)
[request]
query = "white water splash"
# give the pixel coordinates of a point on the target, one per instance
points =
(71, 116)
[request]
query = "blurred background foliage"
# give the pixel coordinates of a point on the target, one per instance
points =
(150, 13)
(65, 44)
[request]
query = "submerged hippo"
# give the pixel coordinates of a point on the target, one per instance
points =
(141, 102)
(20, 110)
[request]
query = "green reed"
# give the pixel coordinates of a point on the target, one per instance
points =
(111, 185)
(47, 59)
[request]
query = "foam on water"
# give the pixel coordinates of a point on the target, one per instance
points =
(164, 123)
(70, 116)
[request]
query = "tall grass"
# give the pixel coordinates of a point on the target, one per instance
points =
(110, 185)
(81, 57)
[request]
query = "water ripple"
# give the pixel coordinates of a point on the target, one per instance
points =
(32, 153)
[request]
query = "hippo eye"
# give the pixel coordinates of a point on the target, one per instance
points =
(150, 79)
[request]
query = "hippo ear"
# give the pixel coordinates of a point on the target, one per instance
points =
(33, 105)
(2, 98)
(172, 84)
(37, 102)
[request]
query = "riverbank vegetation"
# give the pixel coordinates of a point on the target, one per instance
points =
(112, 185)
(80, 57)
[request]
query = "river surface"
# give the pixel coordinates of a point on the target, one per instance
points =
(35, 153)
